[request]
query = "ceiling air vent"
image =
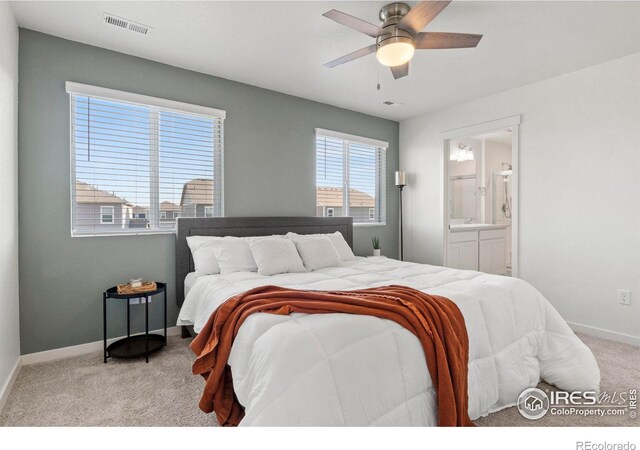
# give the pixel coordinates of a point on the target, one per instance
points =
(125, 24)
(389, 103)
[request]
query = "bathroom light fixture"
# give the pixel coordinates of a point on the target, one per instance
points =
(461, 153)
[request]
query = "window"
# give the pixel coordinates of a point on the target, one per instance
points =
(106, 214)
(350, 177)
(141, 155)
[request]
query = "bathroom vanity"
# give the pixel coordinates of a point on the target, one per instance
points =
(478, 246)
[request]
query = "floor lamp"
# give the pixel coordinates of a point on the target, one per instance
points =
(401, 182)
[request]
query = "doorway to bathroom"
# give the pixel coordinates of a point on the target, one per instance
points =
(480, 197)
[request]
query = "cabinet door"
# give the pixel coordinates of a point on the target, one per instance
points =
(485, 256)
(492, 256)
(498, 257)
(463, 255)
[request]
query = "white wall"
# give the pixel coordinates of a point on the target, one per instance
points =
(9, 332)
(579, 187)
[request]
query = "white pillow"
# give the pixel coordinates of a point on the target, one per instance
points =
(318, 252)
(276, 255)
(234, 255)
(204, 257)
(338, 241)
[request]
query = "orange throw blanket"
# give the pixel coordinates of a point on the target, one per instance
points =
(435, 321)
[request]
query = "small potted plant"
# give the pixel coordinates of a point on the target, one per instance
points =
(376, 245)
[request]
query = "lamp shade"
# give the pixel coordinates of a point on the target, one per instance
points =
(401, 178)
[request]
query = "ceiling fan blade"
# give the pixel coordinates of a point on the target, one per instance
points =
(420, 16)
(400, 71)
(351, 56)
(353, 22)
(433, 40)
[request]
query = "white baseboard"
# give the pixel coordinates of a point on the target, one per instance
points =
(82, 349)
(605, 334)
(6, 389)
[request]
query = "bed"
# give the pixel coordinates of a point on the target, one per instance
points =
(342, 369)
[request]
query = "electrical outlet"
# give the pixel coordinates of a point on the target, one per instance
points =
(624, 297)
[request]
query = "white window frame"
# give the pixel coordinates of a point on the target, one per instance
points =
(154, 103)
(346, 188)
(129, 97)
(210, 209)
(112, 214)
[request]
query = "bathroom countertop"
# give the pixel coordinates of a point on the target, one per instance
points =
(477, 226)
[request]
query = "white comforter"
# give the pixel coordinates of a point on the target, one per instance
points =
(341, 369)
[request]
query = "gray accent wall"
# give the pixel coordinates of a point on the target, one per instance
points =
(269, 171)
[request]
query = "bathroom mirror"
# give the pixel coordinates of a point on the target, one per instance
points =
(462, 198)
(465, 161)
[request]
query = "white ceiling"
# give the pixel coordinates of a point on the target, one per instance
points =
(283, 45)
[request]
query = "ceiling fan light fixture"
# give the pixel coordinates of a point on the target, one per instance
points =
(395, 52)
(399, 34)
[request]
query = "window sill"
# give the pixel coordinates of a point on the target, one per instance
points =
(161, 232)
(375, 224)
(145, 233)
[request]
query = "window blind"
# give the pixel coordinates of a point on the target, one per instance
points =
(350, 177)
(138, 165)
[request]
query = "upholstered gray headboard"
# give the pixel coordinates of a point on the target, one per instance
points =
(248, 226)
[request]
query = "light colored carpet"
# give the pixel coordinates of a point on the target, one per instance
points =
(82, 391)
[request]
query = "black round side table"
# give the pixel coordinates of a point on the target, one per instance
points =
(138, 344)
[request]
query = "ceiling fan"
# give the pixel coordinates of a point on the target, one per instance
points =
(399, 34)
